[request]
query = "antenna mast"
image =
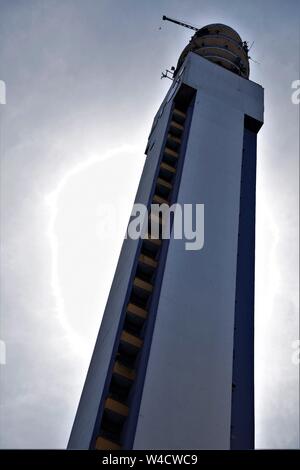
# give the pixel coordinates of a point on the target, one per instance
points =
(185, 25)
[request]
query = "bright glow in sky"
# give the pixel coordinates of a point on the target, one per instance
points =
(83, 85)
(83, 256)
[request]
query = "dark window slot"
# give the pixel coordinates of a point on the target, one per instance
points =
(178, 116)
(141, 293)
(170, 160)
(173, 137)
(145, 275)
(131, 326)
(135, 319)
(162, 191)
(176, 129)
(173, 142)
(135, 299)
(146, 269)
(126, 357)
(150, 249)
(118, 392)
(110, 436)
(147, 252)
(166, 175)
(111, 426)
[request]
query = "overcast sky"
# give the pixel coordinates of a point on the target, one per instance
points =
(83, 85)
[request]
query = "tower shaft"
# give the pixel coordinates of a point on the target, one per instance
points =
(173, 365)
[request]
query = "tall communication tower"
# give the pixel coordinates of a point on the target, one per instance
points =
(173, 365)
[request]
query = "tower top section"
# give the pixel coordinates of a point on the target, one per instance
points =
(220, 44)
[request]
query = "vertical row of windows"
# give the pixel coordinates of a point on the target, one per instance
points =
(121, 391)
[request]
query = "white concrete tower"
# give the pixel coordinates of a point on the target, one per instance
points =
(173, 365)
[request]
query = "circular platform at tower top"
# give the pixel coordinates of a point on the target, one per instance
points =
(220, 44)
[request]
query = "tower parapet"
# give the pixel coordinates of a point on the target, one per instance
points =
(220, 44)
